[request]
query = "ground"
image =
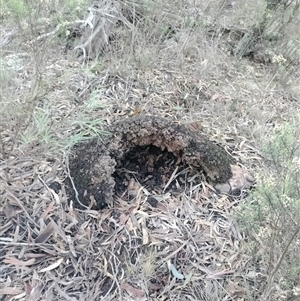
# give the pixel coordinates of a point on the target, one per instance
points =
(159, 227)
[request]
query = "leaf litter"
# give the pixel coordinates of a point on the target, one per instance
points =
(121, 251)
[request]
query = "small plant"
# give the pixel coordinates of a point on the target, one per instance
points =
(53, 131)
(271, 220)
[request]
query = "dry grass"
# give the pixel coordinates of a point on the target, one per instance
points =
(172, 62)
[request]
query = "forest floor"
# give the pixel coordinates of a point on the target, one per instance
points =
(188, 243)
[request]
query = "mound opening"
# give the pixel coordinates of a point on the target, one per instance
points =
(150, 167)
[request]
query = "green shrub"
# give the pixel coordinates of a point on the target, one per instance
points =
(270, 219)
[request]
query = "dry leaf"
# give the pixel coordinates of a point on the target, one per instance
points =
(130, 226)
(7, 290)
(14, 261)
(145, 236)
(155, 286)
(33, 292)
(52, 266)
(45, 234)
(9, 210)
(132, 291)
(48, 210)
(71, 245)
(33, 255)
(235, 290)
(28, 288)
(55, 195)
(219, 274)
(123, 219)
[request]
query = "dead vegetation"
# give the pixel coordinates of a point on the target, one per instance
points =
(161, 240)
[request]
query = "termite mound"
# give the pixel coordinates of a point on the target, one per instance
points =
(148, 148)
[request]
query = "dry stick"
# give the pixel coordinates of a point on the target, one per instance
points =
(279, 262)
(110, 15)
(115, 273)
(115, 280)
(173, 177)
(89, 41)
(17, 244)
(51, 33)
(175, 252)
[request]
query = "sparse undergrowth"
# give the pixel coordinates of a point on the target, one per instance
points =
(270, 218)
(162, 58)
(32, 110)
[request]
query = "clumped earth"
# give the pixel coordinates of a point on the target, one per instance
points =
(148, 151)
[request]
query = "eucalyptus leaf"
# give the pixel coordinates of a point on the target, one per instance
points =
(175, 273)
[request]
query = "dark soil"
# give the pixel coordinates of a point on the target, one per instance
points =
(150, 167)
